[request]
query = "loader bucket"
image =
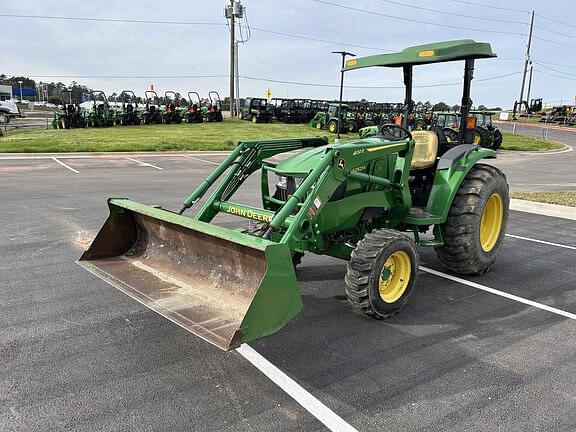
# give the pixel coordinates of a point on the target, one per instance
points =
(225, 286)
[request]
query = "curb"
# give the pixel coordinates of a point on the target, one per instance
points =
(544, 209)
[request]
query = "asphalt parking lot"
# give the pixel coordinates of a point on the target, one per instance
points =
(76, 354)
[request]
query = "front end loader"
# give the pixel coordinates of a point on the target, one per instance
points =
(368, 201)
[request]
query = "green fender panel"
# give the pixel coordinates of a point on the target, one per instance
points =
(452, 168)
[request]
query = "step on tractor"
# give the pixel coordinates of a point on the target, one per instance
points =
(367, 201)
(256, 110)
(172, 111)
(329, 119)
(128, 115)
(70, 115)
(214, 113)
(101, 114)
(195, 112)
(152, 112)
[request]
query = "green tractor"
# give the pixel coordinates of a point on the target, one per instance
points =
(152, 112)
(70, 115)
(129, 111)
(368, 201)
(329, 119)
(195, 112)
(173, 113)
(214, 113)
(101, 114)
(257, 110)
(481, 131)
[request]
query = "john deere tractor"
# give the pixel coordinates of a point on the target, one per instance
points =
(173, 111)
(481, 130)
(70, 115)
(152, 112)
(214, 113)
(368, 201)
(195, 112)
(329, 119)
(129, 111)
(257, 110)
(101, 114)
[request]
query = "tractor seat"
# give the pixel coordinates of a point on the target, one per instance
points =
(425, 149)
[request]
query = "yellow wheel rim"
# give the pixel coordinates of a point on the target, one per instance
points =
(394, 277)
(332, 127)
(318, 125)
(476, 138)
(491, 223)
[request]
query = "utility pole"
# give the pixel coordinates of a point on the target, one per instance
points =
(529, 83)
(526, 61)
(340, 118)
(231, 12)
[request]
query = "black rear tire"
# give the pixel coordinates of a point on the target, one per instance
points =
(370, 262)
(497, 139)
(332, 127)
(464, 251)
(483, 137)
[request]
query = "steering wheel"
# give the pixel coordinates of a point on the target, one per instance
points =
(394, 132)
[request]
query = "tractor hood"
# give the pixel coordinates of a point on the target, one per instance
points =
(303, 162)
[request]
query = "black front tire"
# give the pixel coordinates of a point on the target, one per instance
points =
(366, 268)
(497, 139)
(463, 251)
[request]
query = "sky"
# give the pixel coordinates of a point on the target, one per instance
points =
(113, 56)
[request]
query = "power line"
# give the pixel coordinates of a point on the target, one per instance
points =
(553, 75)
(555, 64)
(555, 21)
(554, 42)
(554, 70)
(114, 20)
(453, 14)
(414, 20)
(555, 32)
(319, 40)
(124, 76)
(490, 6)
(308, 84)
(187, 23)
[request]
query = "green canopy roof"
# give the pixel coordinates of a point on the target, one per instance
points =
(437, 52)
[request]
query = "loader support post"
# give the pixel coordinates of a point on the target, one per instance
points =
(407, 69)
(466, 101)
(201, 190)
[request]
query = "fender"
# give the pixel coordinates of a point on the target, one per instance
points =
(451, 170)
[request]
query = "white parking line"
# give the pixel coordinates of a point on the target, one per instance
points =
(328, 417)
(142, 163)
(499, 293)
(541, 241)
(64, 165)
(201, 160)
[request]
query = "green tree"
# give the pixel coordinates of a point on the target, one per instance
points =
(441, 106)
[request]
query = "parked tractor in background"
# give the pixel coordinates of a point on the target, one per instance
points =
(129, 110)
(329, 119)
(101, 114)
(152, 112)
(481, 129)
(256, 110)
(368, 201)
(172, 111)
(214, 113)
(195, 112)
(70, 115)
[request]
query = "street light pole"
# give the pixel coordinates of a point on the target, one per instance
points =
(343, 54)
(20, 83)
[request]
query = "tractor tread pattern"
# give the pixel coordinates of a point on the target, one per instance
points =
(458, 252)
(360, 266)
